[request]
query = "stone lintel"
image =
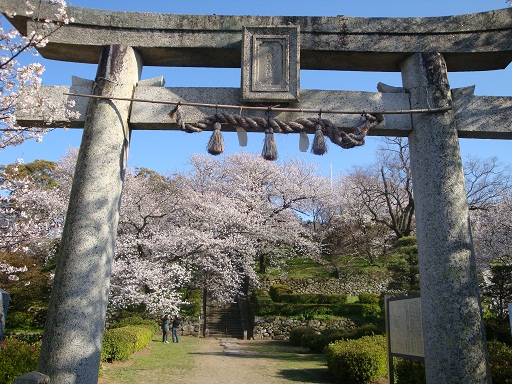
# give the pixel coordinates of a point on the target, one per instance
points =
(469, 42)
(480, 117)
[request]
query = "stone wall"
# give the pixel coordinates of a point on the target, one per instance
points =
(369, 282)
(278, 328)
(190, 326)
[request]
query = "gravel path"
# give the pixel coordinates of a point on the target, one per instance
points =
(228, 361)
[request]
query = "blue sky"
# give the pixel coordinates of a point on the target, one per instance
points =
(168, 152)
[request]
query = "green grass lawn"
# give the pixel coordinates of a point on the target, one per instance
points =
(158, 361)
(301, 267)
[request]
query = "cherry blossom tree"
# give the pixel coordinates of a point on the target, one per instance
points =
(22, 81)
(492, 230)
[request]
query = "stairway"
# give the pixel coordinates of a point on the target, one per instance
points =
(224, 320)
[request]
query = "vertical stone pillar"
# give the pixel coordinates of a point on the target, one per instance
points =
(76, 315)
(454, 341)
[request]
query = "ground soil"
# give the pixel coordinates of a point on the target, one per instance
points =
(234, 361)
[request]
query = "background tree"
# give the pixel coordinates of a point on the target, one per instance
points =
(403, 265)
(23, 81)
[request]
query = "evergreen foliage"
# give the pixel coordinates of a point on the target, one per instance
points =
(404, 267)
(358, 361)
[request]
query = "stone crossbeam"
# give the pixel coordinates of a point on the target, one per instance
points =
(484, 117)
(471, 42)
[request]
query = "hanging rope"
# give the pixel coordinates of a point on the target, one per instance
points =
(326, 127)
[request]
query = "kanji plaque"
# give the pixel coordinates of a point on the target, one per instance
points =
(270, 64)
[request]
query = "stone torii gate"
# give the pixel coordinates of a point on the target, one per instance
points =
(422, 49)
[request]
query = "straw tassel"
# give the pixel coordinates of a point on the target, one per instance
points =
(319, 145)
(216, 143)
(269, 145)
(303, 141)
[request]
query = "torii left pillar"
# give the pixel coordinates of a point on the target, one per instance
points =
(74, 328)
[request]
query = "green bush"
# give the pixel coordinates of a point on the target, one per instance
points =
(358, 361)
(19, 320)
(276, 291)
(17, 357)
(365, 311)
(410, 371)
(142, 335)
(120, 343)
(193, 305)
(137, 320)
(262, 303)
(296, 298)
(314, 341)
(367, 329)
(500, 356)
(30, 337)
(117, 345)
(297, 333)
(369, 298)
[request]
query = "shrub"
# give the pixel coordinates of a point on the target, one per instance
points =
(30, 337)
(19, 320)
(410, 371)
(369, 298)
(17, 357)
(296, 298)
(500, 356)
(365, 311)
(314, 341)
(117, 345)
(332, 335)
(297, 333)
(120, 343)
(136, 320)
(358, 361)
(277, 290)
(262, 303)
(367, 329)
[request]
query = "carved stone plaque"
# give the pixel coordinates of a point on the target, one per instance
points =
(270, 64)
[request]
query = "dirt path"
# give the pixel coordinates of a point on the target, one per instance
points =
(229, 361)
(226, 361)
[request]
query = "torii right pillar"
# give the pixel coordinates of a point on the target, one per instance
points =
(453, 330)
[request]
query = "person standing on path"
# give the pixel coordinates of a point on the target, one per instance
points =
(165, 329)
(175, 328)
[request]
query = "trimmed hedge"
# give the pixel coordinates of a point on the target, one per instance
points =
(262, 303)
(137, 321)
(358, 361)
(17, 357)
(309, 306)
(369, 298)
(409, 371)
(120, 343)
(318, 341)
(500, 356)
(277, 291)
(281, 293)
(297, 333)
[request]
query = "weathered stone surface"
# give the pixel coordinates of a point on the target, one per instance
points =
(70, 352)
(271, 64)
(484, 117)
(478, 41)
(276, 328)
(32, 378)
(453, 331)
